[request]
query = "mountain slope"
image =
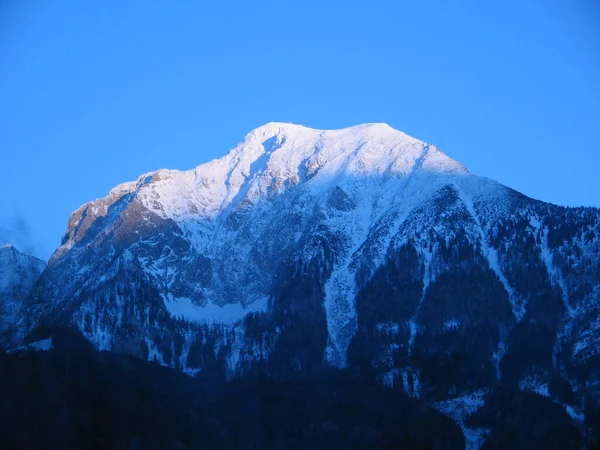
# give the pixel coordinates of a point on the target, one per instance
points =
(361, 248)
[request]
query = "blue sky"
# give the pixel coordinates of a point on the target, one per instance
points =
(96, 93)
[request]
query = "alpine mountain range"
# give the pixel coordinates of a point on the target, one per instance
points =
(361, 249)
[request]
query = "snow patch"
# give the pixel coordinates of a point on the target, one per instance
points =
(534, 386)
(452, 324)
(153, 353)
(390, 377)
(555, 275)
(388, 328)
(498, 355)
(229, 314)
(576, 414)
(459, 408)
(340, 288)
(37, 346)
(427, 278)
(475, 437)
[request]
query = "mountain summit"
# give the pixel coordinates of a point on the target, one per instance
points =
(361, 248)
(277, 156)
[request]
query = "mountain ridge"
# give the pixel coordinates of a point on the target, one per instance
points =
(359, 248)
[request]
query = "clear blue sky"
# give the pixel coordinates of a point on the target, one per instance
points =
(93, 94)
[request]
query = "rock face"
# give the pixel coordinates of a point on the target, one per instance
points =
(18, 274)
(361, 248)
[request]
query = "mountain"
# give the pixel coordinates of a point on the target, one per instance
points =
(361, 249)
(18, 274)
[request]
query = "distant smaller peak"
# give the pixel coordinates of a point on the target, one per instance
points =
(10, 251)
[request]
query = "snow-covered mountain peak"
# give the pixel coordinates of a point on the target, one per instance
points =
(371, 147)
(279, 156)
(11, 258)
(274, 128)
(8, 252)
(283, 128)
(276, 157)
(363, 161)
(18, 274)
(363, 132)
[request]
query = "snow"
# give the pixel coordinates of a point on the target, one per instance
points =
(37, 346)
(42, 345)
(340, 290)
(535, 380)
(416, 385)
(210, 313)
(405, 381)
(554, 274)
(588, 341)
(576, 414)
(153, 353)
(451, 324)
(535, 386)
(498, 355)
(18, 275)
(459, 408)
(283, 151)
(17, 268)
(475, 437)
(427, 278)
(390, 377)
(389, 328)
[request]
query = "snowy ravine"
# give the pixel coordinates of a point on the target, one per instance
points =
(361, 247)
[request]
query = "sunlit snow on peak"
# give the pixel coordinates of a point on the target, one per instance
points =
(278, 156)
